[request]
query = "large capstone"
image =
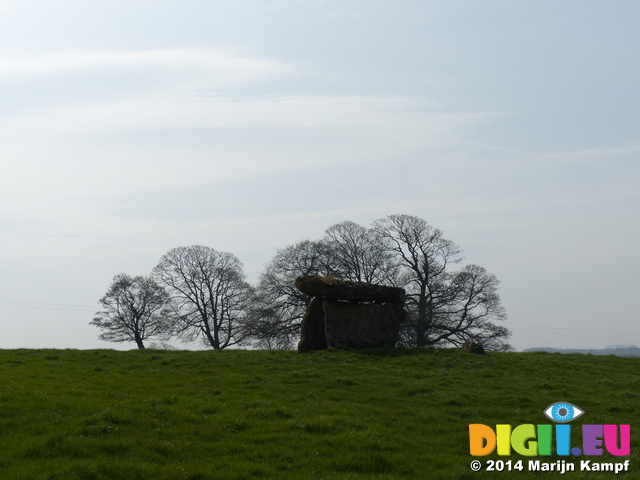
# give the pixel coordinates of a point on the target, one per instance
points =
(329, 287)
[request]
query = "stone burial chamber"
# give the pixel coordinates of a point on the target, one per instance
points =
(349, 314)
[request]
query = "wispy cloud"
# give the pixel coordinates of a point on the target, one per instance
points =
(189, 109)
(183, 132)
(227, 65)
(169, 141)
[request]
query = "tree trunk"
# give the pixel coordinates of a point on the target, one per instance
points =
(215, 344)
(421, 327)
(423, 318)
(139, 342)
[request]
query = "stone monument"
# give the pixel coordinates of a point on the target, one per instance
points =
(346, 314)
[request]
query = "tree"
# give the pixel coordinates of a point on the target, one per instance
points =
(470, 314)
(278, 306)
(444, 307)
(358, 254)
(347, 251)
(209, 294)
(135, 309)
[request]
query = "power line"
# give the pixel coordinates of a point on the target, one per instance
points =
(40, 303)
(572, 329)
(52, 306)
(576, 336)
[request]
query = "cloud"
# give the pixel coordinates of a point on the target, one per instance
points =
(182, 132)
(164, 141)
(185, 108)
(225, 66)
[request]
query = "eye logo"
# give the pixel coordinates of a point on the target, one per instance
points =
(563, 412)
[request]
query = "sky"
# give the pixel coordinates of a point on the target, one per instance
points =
(128, 128)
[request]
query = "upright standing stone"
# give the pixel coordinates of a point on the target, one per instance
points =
(361, 325)
(313, 336)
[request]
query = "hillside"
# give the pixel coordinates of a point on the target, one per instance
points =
(620, 351)
(400, 413)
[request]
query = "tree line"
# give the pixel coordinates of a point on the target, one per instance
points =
(197, 293)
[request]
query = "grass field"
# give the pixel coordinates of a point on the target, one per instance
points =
(394, 414)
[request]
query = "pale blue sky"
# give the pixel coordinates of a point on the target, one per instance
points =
(131, 127)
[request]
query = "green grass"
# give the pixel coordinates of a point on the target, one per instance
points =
(394, 414)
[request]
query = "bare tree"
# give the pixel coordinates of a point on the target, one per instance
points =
(267, 330)
(135, 309)
(424, 256)
(444, 307)
(359, 254)
(347, 251)
(470, 312)
(210, 296)
(278, 306)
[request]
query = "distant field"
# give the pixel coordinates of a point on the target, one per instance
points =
(400, 413)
